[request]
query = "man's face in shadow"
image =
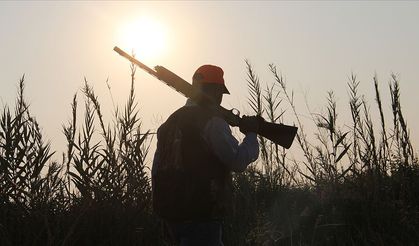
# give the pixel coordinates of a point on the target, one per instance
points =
(214, 91)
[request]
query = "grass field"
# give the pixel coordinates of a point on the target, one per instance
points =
(356, 184)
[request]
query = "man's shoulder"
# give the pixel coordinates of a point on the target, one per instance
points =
(192, 116)
(179, 113)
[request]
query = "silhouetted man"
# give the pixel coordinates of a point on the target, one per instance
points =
(195, 157)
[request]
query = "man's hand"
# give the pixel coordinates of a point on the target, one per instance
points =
(250, 124)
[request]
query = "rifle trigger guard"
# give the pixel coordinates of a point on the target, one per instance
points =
(235, 111)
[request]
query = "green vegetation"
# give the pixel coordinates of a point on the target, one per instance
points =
(356, 184)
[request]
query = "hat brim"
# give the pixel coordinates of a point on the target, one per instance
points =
(205, 86)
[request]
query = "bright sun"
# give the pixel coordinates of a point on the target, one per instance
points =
(144, 36)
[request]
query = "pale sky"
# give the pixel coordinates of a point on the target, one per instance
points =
(316, 45)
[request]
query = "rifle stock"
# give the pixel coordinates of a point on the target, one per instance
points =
(280, 134)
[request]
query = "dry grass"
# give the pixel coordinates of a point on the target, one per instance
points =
(356, 184)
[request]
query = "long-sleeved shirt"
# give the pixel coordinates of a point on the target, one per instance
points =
(217, 133)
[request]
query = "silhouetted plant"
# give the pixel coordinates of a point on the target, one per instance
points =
(356, 184)
(110, 175)
(344, 166)
(30, 183)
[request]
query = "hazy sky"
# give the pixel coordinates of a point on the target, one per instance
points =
(316, 45)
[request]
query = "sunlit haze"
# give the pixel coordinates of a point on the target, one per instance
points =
(145, 36)
(315, 45)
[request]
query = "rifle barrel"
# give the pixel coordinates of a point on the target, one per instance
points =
(135, 61)
(280, 134)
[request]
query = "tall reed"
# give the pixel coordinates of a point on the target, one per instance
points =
(351, 173)
(354, 183)
(109, 174)
(30, 183)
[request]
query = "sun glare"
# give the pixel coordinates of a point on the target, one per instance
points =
(144, 36)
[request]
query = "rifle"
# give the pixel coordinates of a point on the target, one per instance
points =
(280, 134)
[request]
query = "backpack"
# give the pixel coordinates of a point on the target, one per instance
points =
(187, 177)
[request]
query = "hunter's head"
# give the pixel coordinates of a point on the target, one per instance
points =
(209, 79)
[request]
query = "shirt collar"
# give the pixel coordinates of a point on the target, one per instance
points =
(190, 102)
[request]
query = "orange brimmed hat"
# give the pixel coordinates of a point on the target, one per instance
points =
(210, 74)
